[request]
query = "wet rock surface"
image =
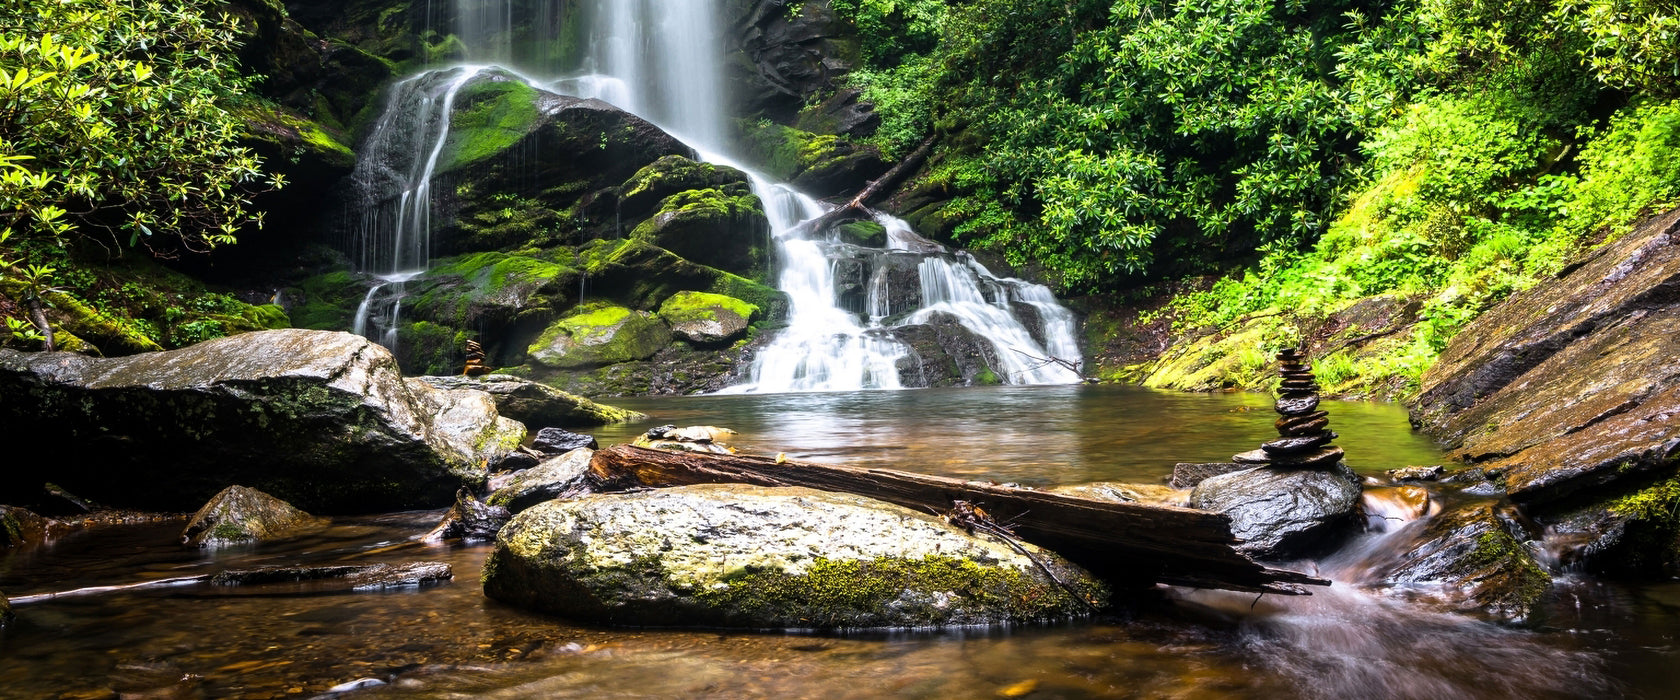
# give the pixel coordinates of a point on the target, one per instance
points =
(240, 515)
(363, 577)
(6, 614)
(1150, 494)
(1282, 512)
(469, 519)
(565, 476)
(600, 335)
(743, 556)
(944, 353)
(1472, 557)
(323, 420)
(557, 441)
(535, 404)
(1186, 475)
(20, 527)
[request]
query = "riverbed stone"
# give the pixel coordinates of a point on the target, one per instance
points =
(600, 334)
(538, 405)
(559, 441)
(752, 557)
(1281, 512)
(347, 577)
(320, 419)
(469, 519)
(240, 515)
(20, 527)
(707, 319)
(1473, 558)
(564, 476)
(1116, 492)
(1186, 475)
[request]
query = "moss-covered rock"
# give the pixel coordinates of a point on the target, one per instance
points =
(240, 515)
(1474, 558)
(642, 276)
(21, 527)
(323, 420)
(722, 228)
(538, 405)
(744, 556)
(707, 319)
(864, 233)
(824, 165)
(600, 334)
(640, 196)
(328, 301)
(491, 115)
(678, 370)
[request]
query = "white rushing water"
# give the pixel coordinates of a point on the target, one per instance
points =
(664, 60)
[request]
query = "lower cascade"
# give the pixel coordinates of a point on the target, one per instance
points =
(890, 312)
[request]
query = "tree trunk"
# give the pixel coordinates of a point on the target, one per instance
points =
(1129, 544)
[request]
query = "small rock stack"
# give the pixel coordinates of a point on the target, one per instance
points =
(475, 361)
(1306, 437)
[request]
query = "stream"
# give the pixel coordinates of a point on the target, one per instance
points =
(449, 641)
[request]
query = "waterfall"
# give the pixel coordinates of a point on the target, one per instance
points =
(663, 60)
(393, 178)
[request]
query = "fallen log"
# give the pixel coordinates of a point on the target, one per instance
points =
(859, 204)
(1129, 544)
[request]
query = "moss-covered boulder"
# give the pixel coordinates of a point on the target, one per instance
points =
(707, 319)
(240, 515)
(823, 165)
(744, 556)
(524, 166)
(537, 405)
(1473, 558)
(600, 334)
(641, 275)
(324, 420)
(723, 228)
(639, 196)
(327, 301)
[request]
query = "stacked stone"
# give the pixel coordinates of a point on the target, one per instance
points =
(1304, 430)
(475, 361)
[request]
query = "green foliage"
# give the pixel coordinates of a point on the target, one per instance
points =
(116, 124)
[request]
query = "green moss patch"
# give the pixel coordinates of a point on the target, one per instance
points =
(490, 116)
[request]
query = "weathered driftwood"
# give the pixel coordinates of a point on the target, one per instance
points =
(1127, 543)
(860, 202)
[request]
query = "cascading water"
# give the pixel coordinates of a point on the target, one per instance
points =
(393, 177)
(663, 61)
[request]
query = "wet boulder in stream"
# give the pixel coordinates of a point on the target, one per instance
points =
(537, 405)
(1281, 512)
(558, 441)
(754, 557)
(323, 420)
(469, 519)
(240, 515)
(564, 476)
(1473, 558)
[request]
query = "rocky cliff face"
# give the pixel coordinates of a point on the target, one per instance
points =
(1571, 394)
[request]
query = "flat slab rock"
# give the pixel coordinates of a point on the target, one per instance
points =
(323, 420)
(537, 405)
(729, 555)
(1283, 512)
(363, 577)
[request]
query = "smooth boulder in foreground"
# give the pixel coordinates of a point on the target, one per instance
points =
(729, 555)
(321, 419)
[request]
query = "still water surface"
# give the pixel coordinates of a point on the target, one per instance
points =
(448, 641)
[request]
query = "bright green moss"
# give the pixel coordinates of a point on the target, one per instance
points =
(490, 116)
(688, 306)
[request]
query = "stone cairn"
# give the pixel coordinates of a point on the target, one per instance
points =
(475, 360)
(1306, 437)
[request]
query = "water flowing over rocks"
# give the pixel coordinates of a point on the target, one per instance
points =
(565, 476)
(537, 405)
(1571, 391)
(1473, 558)
(753, 557)
(240, 515)
(1281, 512)
(323, 420)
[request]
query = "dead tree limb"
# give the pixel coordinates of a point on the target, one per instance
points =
(860, 203)
(1130, 544)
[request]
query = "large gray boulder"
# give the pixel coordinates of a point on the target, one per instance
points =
(323, 420)
(746, 556)
(1281, 512)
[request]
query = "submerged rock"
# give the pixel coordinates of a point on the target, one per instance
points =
(745, 556)
(1473, 558)
(565, 476)
(20, 527)
(554, 441)
(537, 405)
(469, 519)
(323, 420)
(364, 577)
(1281, 512)
(240, 515)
